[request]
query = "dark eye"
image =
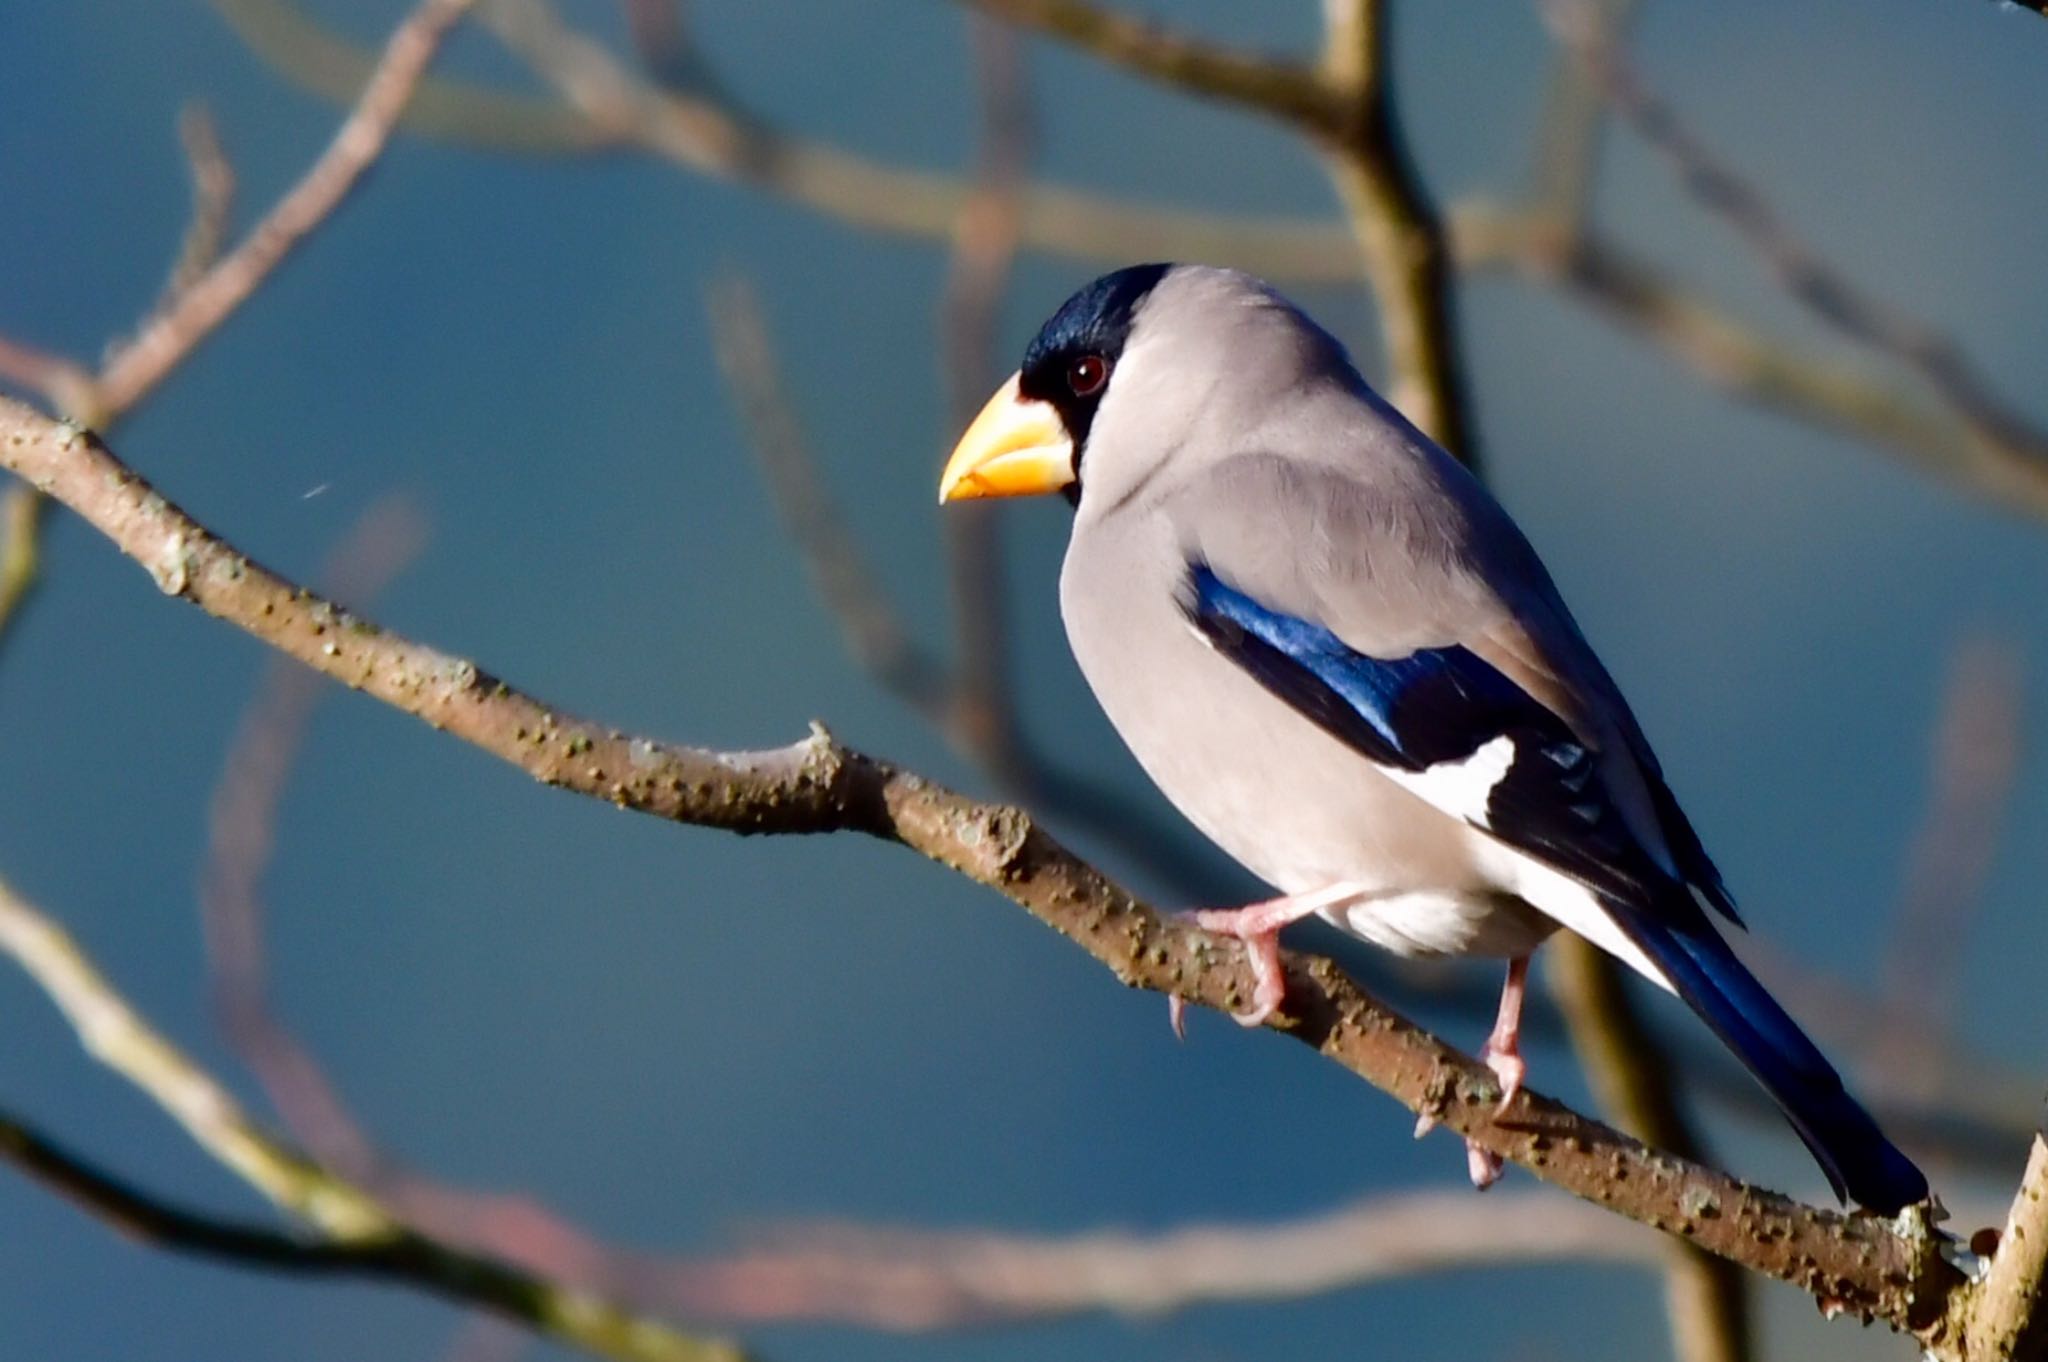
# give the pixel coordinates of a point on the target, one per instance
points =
(1086, 375)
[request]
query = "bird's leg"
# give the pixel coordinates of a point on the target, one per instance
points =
(1258, 926)
(1502, 1053)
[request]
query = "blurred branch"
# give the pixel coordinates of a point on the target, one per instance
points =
(139, 365)
(923, 1279)
(113, 1034)
(1407, 260)
(1705, 1297)
(357, 1234)
(2006, 440)
(193, 307)
(138, 1216)
(915, 1280)
(977, 274)
(1888, 1270)
(213, 202)
(895, 1279)
(1572, 128)
(701, 137)
(21, 520)
(66, 384)
(1279, 87)
(2007, 1318)
(873, 628)
(241, 823)
(609, 106)
(1974, 760)
(1741, 361)
(661, 40)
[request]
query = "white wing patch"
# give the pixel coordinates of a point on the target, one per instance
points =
(1460, 788)
(1559, 896)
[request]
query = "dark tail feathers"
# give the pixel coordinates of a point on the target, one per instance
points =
(1860, 1163)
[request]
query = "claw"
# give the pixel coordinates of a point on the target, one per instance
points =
(1483, 1166)
(1510, 1069)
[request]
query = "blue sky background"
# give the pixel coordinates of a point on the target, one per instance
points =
(668, 1033)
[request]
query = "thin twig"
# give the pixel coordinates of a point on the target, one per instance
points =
(1402, 239)
(984, 250)
(21, 520)
(1866, 1265)
(213, 202)
(64, 382)
(242, 833)
(1573, 125)
(703, 137)
(923, 1279)
(1744, 363)
(1279, 87)
(1974, 761)
(873, 627)
(1706, 1297)
(138, 366)
(1804, 273)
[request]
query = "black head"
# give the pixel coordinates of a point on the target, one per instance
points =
(1069, 361)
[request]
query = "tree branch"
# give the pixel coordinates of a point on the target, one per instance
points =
(1291, 91)
(1801, 271)
(1706, 1297)
(357, 1235)
(1889, 1271)
(700, 135)
(2005, 1320)
(1741, 361)
(1407, 260)
(923, 1279)
(947, 697)
(21, 521)
(213, 202)
(167, 338)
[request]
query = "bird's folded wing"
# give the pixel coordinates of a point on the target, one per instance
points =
(1449, 727)
(1417, 626)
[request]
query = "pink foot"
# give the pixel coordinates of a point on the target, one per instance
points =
(1482, 1166)
(1502, 1053)
(1258, 926)
(1510, 1069)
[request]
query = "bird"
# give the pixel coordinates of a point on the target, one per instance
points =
(1338, 657)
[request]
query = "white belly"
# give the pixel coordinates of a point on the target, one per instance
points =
(1425, 922)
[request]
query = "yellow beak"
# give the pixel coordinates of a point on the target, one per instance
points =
(1016, 447)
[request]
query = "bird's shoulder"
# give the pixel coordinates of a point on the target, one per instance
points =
(1388, 553)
